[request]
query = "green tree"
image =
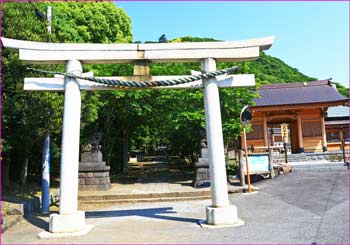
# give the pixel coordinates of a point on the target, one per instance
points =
(25, 114)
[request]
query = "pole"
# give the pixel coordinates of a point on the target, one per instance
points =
(343, 149)
(272, 172)
(69, 218)
(241, 169)
(45, 194)
(70, 141)
(220, 212)
(45, 186)
(49, 21)
(285, 152)
(213, 124)
(246, 159)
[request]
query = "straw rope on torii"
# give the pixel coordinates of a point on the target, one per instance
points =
(143, 84)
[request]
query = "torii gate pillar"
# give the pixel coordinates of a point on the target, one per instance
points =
(221, 212)
(69, 218)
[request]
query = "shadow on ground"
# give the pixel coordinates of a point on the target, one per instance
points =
(38, 220)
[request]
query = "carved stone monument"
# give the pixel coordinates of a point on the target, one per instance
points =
(202, 173)
(93, 172)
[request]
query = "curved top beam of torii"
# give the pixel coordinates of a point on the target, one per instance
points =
(97, 53)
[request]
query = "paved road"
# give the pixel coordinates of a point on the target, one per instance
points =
(306, 206)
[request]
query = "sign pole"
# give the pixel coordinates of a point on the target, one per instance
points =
(246, 159)
(245, 117)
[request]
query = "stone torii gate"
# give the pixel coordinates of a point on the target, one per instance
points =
(70, 220)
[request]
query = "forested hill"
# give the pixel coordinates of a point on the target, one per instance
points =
(268, 69)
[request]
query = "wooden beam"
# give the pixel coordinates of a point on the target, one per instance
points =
(56, 83)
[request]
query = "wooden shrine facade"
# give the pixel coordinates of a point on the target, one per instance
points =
(337, 127)
(300, 106)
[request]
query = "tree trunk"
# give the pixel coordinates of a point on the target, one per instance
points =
(24, 172)
(6, 171)
(125, 151)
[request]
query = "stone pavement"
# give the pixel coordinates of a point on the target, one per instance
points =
(156, 180)
(306, 206)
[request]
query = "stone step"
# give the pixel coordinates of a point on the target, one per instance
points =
(87, 200)
(93, 198)
(136, 200)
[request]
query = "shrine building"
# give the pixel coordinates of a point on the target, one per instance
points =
(302, 108)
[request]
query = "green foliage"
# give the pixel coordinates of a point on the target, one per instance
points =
(231, 168)
(25, 114)
(268, 69)
(192, 39)
(90, 22)
(342, 90)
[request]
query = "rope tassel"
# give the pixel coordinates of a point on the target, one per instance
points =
(143, 84)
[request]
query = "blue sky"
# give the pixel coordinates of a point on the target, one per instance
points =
(310, 36)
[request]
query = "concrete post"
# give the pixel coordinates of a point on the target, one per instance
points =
(220, 212)
(69, 218)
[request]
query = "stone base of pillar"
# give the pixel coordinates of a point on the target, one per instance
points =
(49, 235)
(324, 148)
(66, 223)
(222, 215)
(301, 150)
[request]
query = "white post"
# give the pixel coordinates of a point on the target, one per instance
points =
(214, 137)
(69, 218)
(49, 18)
(220, 213)
(70, 141)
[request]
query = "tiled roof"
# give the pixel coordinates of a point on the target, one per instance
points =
(338, 111)
(298, 93)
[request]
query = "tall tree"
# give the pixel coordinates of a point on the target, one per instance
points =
(25, 113)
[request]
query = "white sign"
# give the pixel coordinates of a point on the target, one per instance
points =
(257, 164)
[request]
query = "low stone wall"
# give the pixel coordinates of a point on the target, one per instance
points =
(329, 156)
(318, 156)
